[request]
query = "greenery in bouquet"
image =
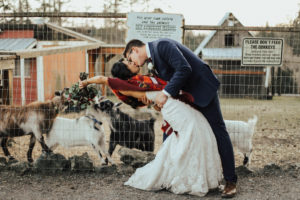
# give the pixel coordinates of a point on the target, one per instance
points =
(79, 99)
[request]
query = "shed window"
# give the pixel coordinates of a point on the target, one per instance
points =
(27, 66)
(229, 40)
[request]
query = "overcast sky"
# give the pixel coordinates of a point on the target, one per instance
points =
(249, 12)
(210, 12)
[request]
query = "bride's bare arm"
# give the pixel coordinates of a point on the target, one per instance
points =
(139, 95)
(136, 94)
(96, 79)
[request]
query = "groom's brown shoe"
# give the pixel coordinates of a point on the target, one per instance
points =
(229, 190)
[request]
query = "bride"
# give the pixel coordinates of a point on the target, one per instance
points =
(188, 161)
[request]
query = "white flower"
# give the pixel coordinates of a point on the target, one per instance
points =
(150, 66)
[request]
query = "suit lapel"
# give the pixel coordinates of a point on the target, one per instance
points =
(160, 67)
(151, 49)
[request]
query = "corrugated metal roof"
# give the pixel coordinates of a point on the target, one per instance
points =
(211, 34)
(222, 53)
(14, 44)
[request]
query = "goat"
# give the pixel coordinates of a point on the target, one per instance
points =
(33, 119)
(241, 133)
(127, 131)
(84, 131)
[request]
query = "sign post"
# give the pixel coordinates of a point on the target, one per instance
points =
(262, 52)
(265, 52)
(152, 26)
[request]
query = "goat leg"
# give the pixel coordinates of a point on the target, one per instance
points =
(31, 146)
(101, 146)
(4, 148)
(44, 146)
(112, 146)
(97, 149)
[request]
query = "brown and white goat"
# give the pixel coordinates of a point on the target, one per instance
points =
(33, 119)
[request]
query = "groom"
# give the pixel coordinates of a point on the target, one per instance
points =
(184, 71)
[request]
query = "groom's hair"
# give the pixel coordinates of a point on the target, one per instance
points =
(132, 43)
(120, 70)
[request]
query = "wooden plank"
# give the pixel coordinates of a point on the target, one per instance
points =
(72, 33)
(91, 65)
(217, 71)
(7, 57)
(103, 73)
(10, 86)
(240, 28)
(124, 15)
(7, 64)
(66, 14)
(32, 53)
(112, 50)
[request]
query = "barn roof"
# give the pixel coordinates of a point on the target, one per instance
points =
(222, 53)
(15, 44)
(210, 35)
(229, 52)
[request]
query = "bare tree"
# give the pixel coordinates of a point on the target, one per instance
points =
(54, 6)
(6, 6)
(24, 6)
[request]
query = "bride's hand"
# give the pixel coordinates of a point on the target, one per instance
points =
(83, 84)
(156, 108)
(161, 99)
(145, 100)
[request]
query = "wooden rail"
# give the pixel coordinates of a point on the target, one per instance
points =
(124, 15)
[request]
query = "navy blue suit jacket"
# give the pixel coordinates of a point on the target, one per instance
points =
(183, 70)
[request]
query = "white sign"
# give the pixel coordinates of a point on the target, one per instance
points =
(262, 51)
(152, 26)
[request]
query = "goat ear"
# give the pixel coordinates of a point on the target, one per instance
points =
(98, 98)
(57, 93)
(101, 98)
(117, 104)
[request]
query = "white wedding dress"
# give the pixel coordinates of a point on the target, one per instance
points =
(187, 163)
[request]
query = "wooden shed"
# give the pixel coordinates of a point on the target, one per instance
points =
(222, 50)
(43, 66)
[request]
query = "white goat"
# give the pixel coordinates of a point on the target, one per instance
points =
(84, 131)
(241, 133)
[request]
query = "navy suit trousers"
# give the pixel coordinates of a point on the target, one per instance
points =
(213, 114)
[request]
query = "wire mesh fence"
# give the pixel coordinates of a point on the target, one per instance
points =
(42, 55)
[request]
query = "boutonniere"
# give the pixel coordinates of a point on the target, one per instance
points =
(150, 66)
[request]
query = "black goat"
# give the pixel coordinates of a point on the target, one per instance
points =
(127, 131)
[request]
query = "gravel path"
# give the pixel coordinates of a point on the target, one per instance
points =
(271, 182)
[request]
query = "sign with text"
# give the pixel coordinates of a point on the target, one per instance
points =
(262, 51)
(152, 26)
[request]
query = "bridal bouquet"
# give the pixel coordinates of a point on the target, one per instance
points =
(79, 99)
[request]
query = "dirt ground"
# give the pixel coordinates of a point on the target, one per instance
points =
(269, 183)
(276, 140)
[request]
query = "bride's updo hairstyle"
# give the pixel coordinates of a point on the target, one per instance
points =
(120, 70)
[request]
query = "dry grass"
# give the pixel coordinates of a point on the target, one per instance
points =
(276, 140)
(277, 135)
